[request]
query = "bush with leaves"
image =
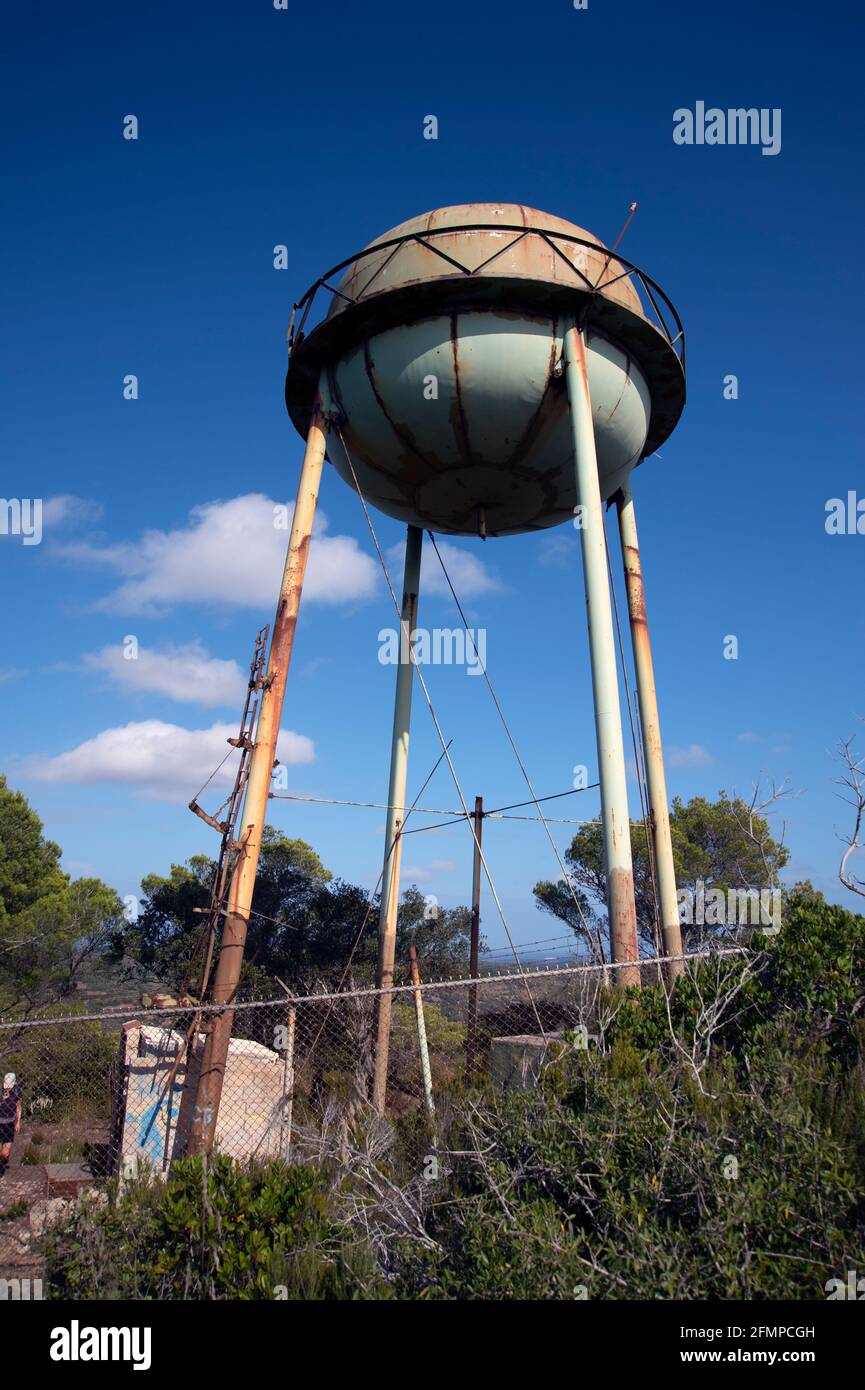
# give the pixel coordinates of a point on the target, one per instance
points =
(811, 975)
(212, 1231)
(51, 926)
(715, 1149)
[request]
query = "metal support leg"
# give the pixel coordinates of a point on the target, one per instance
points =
(227, 975)
(649, 718)
(474, 939)
(396, 812)
(608, 722)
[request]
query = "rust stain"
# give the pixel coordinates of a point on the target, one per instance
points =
(533, 428)
(623, 925)
(403, 435)
(333, 388)
(636, 595)
(459, 415)
(625, 384)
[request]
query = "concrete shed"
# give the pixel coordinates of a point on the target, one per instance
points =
(153, 1110)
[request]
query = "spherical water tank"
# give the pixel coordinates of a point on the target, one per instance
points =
(440, 356)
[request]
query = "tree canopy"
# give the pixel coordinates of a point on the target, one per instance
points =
(724, 843)
(50, 924)
(304, 923)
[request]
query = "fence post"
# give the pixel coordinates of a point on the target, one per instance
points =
(288, 1085)
(421, 1035)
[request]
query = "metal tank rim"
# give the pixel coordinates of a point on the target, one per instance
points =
(657, 350)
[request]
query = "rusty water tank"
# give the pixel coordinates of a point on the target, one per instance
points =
(441, 355)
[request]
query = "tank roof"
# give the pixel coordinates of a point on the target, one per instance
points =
(490, 240)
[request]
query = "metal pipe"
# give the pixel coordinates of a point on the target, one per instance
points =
(288, 1085)
(659, 814)
(616, 825)
(472, 1022)
(396, 810)
(227, 975)
(421, 1035)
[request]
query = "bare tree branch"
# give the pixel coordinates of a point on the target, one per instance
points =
(853, 781)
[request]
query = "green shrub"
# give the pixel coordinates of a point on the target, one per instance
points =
(685, 1161)
(625, 1188)
(211, 1231)
(812, 972)
(675, 1165)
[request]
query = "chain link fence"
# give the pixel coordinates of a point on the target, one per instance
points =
(110, 1094)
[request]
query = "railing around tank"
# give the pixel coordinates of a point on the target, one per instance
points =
(674, 332)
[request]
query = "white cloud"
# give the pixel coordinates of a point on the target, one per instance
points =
(158, 759)
(747, 737)
(315, 663)
(69, 510)
(229, 552)
(185, 673)
(695, 755)
(422, 874)
(558, 550)
(469, 574)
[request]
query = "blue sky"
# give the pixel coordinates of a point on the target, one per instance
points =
(154, 257)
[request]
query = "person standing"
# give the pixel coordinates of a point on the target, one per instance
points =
(10, 1118)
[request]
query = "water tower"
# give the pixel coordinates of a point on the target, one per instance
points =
(488, 370)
